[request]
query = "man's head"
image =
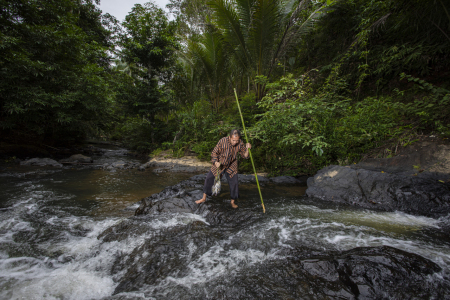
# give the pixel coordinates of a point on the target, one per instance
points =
(235, 136)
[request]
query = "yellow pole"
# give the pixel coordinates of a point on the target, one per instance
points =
(249, 152)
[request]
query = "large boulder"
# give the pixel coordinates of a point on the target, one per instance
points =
(381, 191)
(361, 273)
(164, 255)
(41, 162)
(181, 198)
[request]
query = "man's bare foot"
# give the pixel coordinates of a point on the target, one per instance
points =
(200, 201)
(233, 205)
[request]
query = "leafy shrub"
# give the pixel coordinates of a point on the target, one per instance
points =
(136, 133)
(321, 127)
(431, 104)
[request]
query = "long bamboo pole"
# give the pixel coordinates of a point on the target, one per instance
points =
(249, 151)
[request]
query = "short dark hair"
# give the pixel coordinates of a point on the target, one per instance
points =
(235, 132)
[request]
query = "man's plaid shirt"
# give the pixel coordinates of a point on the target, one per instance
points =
(226, 154)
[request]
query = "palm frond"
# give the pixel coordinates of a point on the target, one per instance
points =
(227, 18)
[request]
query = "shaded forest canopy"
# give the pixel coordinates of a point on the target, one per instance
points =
(319, 81)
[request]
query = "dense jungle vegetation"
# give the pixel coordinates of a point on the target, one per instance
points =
(319, 81)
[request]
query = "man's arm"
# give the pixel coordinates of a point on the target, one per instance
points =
(215, 154)
(244, 150)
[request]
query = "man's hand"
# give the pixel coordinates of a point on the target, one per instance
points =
(248, 146)
(217, 164)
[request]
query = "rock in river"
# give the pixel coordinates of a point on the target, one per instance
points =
(381, 191)
(77, 158)
(361, 273)
(41, 162)
(416, 181)
(121, 165)
(182, 196)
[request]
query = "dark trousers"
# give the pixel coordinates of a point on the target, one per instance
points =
(232, 182)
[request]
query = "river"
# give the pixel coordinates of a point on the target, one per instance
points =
(50, 220)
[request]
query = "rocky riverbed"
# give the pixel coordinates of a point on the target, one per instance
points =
(292, 270)
(74, 224)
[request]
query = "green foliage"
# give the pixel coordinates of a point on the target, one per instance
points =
(208, 56)
(149, 40)
(135, 132)
(258, 33)
(156, 152)
(432, 107)
(10, 159)
(299, 121)
(54, 70)
(249, 110)
(378, 41)
(148, 44)
(319, 81)
(204, 148)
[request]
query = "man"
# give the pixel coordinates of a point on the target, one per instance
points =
(224, 159)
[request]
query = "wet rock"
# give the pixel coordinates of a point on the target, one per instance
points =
(181, 198)
(381, 191)
(285, 180)
(77, 158)
(251, 178)
(295, 273)
(361, 273)
(125, 229)
(162, 255)
(41, 162)
(121, 165)
(172, 199)
(189, 164)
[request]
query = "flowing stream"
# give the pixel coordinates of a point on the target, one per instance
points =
(50, 219)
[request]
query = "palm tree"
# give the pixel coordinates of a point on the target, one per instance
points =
(128, 68)
(258, 32)
(211, 62)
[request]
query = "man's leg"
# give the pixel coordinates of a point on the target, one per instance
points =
(207, 187)
(234, 188)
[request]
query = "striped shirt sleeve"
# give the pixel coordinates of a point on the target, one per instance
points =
(216, 152)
